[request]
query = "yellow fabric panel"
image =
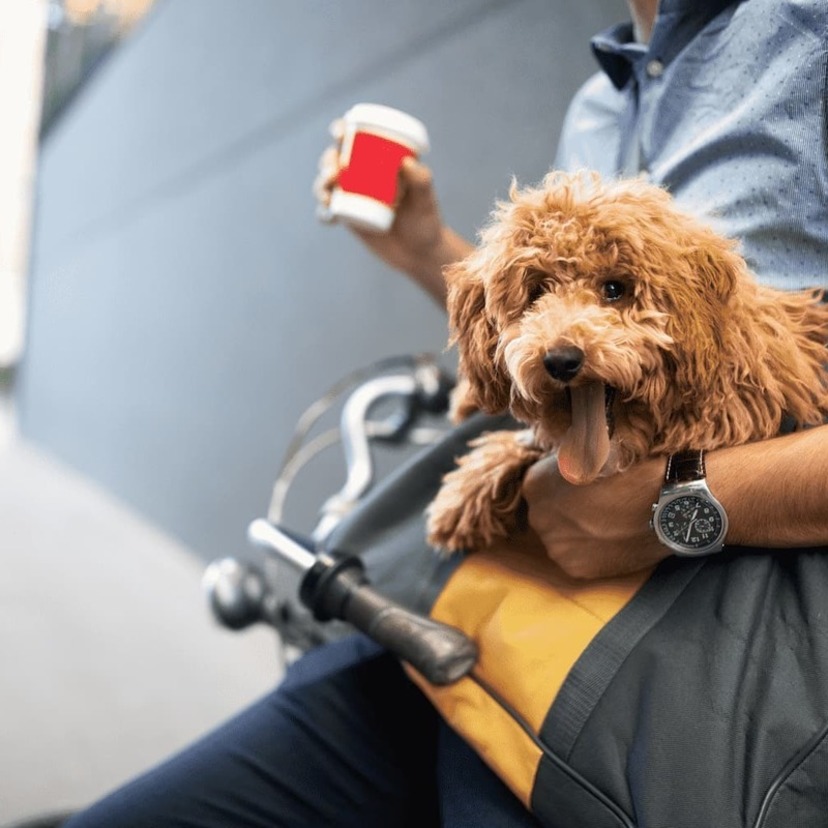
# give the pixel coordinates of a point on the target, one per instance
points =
(506, 748)
(531, 623)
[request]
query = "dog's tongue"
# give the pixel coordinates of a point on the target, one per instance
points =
(586, 446)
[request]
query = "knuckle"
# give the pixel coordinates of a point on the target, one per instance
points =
(322, 194)
(417, 174)
(575, 567)
(329, 161)
(530, 485)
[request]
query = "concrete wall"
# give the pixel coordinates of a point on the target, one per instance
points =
(185, 306)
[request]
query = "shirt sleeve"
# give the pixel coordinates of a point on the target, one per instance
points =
(591, 134)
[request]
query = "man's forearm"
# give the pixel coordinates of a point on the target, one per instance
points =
(428, 272)
(776, 491)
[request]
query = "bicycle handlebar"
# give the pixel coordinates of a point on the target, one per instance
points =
(335, 586)
(426, 388)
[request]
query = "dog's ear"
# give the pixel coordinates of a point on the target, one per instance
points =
(699, 297)
(718, 267)
(786, 335)
(486, 386)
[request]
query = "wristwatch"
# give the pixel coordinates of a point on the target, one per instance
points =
(687, 518)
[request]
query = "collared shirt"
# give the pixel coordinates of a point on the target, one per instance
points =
(726, 108)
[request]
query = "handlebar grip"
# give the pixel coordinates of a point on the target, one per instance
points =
(442, 654)
(337, 588)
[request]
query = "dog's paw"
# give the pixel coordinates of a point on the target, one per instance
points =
(480, 500)
(459, 522)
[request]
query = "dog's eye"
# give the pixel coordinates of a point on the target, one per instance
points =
(613, 290)
(535, 292)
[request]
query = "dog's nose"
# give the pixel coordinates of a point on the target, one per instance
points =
(564, 363)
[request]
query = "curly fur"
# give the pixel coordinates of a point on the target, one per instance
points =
(698, 353)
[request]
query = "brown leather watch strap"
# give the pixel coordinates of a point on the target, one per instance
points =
(685, 466)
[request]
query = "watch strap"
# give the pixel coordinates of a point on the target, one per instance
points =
(684, 467)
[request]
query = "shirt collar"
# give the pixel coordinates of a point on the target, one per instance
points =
(677, 23)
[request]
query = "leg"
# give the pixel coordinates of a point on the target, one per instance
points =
(346, 740)
(470, 793)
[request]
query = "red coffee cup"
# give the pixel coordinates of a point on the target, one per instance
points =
(375, 142)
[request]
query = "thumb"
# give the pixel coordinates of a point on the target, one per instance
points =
(540, 475)
(417, 180)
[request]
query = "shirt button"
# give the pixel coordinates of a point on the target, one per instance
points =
(655, 69)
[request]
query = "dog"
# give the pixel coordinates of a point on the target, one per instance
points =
(615, 327)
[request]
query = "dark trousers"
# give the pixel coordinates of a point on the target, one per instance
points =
(345, 740)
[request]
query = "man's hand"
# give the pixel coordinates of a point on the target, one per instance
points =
(599, 530)
(775, 493)
(418, 244)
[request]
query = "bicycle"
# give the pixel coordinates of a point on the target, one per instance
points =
(335, 585)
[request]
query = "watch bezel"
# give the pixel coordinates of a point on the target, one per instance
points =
(697, 489)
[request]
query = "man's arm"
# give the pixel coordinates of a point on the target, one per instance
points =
(775, 493)
(777, 490)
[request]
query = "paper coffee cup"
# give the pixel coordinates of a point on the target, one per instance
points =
(375, 142)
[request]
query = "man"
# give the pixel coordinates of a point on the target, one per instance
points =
(791, 513)
(347, 740)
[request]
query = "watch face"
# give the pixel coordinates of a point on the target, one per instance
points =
(691, 522)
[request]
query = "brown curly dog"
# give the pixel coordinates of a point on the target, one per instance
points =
(615, 327)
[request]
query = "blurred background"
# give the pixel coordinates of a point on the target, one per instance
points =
(169, 306)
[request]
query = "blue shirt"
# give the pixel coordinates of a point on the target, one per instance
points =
(726, 108)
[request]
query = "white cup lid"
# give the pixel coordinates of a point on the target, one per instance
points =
(401, 123)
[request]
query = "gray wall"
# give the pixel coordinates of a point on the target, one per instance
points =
(185, 306)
